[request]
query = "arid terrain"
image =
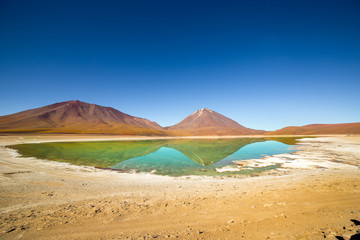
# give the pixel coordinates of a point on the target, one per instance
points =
(314, 195)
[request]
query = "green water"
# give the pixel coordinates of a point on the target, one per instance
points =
(178, 157)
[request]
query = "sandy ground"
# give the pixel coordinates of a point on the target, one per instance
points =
(42, 199)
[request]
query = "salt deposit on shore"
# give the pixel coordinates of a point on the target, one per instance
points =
(309, 154)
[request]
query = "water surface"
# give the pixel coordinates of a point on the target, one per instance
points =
(177, 157)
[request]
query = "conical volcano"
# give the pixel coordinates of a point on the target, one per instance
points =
(208, 122)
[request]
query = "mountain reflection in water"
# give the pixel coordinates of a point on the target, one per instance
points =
(174, 157)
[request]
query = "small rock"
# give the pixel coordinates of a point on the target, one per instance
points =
(356, 222)
(339, 237)
(355, 237)
(11, 229)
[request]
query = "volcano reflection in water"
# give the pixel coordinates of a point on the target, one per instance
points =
(177, 157)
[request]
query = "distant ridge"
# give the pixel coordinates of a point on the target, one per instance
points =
(341, 128)
(78, 117)
(208, 122)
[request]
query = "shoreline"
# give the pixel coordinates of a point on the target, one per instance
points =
(38, 138)
(113, 205)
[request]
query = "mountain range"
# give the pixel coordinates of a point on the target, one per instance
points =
(80, 117)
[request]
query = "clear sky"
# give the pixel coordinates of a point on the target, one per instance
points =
(265, 64)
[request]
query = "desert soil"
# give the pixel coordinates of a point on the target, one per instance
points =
(41, 199)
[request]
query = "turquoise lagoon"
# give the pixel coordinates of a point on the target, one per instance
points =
(176, 157)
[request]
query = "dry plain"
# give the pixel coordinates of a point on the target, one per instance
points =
(315, 195)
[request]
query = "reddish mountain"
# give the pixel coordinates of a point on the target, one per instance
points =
(342, 128)
(207, 122)
(78, 117)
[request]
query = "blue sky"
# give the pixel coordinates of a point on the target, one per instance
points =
(265, 64)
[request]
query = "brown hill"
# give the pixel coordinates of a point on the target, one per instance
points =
(342, 128)
(78, 117)
(207, 122)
